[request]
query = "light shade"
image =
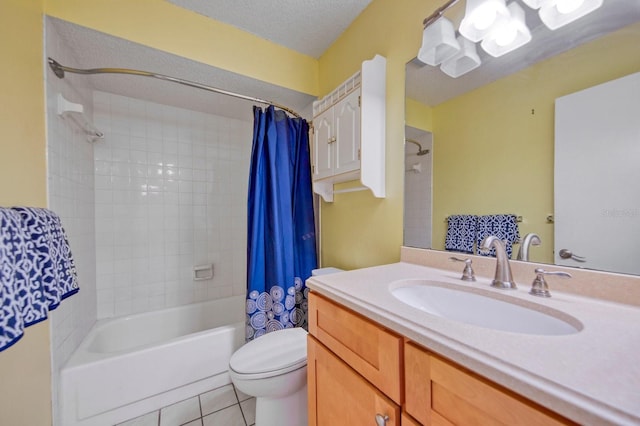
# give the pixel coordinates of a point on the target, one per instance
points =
(480, 16)
(509, 34)
(557, 13)
(438, 42)
(535, 4)
(464, 61)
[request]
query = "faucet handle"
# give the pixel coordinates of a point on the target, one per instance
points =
(467, 273)
(540, 287)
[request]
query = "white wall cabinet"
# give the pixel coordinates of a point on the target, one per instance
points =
(337, 138)
(349, 133)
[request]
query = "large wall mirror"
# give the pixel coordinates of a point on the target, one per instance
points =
(492, 131)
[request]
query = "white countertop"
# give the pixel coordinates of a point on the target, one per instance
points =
(591, 377)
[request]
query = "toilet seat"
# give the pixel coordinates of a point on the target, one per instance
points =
(273, 354)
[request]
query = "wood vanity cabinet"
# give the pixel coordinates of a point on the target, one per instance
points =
(353, 368)
(438, 392)
(357, 369)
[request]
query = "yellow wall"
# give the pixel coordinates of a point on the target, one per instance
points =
(164, 26)
(418, 115)
(495, 145)
(357, 229)
(25, 368)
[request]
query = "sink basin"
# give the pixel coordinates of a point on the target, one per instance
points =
(470, 307)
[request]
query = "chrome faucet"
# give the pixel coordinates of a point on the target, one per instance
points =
(530, 239)
(467, 273)
(503, 278)
(540, 287)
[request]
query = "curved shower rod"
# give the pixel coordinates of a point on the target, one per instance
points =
(60, 69)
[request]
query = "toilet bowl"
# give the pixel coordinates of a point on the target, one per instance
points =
(273, 368)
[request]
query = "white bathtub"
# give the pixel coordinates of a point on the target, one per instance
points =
(129, 366)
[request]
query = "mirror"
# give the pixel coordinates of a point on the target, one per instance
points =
(493, 129)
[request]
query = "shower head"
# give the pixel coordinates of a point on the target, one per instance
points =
(420, 150)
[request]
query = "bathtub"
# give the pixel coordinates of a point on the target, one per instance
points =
(133, 365)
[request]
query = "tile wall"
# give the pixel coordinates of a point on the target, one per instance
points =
(170, 194)
(418, 195)
(70, 183)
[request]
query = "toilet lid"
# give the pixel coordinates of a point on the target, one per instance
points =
(274, 353)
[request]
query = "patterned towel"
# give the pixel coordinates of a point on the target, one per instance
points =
(12, 288)
(38, 271)
(503, 226)
(461, 233)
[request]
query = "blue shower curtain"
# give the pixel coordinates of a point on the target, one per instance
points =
(281, 250)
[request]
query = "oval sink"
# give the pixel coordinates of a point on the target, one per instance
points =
(476, 309)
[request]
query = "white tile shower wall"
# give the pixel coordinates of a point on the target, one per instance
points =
(171, 189)
(70, 184)
(418, 193)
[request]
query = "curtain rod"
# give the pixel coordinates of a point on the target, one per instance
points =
(59, 71)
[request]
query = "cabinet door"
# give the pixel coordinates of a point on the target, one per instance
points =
(323, 139)
(437, 392)
(340, 396)
(375, 353)
(347, 133)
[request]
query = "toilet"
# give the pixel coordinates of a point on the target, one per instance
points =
(273, 369)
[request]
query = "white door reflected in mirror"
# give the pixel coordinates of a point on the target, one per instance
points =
(597, 170)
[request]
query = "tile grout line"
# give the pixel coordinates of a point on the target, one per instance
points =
(239, 405)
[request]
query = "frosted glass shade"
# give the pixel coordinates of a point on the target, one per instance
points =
(438, 42)
(464, 61)
(557, 13)
(535, 4)
(480, 16)
(509, 34)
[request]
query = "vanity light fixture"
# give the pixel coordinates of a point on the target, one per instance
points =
(481, 16)
(438, 42)
(509, 34)
(464, 61)
(499, 29)
(558, 13)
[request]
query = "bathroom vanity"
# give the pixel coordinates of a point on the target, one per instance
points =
(375, 359)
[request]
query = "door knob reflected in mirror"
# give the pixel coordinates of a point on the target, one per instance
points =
(567, 254)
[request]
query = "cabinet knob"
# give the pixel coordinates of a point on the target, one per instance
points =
(381, 420)
(332, 140)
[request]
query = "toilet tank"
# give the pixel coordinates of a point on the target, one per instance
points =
(325, 271)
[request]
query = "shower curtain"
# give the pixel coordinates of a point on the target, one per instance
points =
(281, 244)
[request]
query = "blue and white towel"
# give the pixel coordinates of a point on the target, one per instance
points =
(12, 288)
(461, 233)
(503, 226)
(37, 269)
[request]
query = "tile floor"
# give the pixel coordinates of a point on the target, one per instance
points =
(224, 406)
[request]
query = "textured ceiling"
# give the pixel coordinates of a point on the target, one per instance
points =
(306, 26)
(431, 86)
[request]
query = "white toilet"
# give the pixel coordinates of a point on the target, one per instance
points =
(273, 368)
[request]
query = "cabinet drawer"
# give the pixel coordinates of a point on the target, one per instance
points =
(340, 396)
(438, 392)
(369, 349)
